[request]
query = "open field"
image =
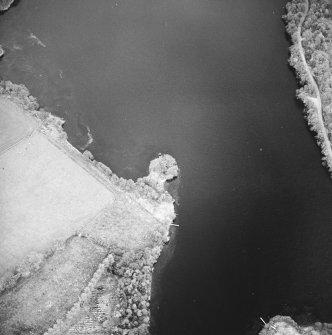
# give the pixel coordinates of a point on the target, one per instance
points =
(109, 232)
(13, 128)
(44, 194)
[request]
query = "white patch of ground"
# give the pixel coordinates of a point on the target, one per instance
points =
(44, 194)
(12, 128)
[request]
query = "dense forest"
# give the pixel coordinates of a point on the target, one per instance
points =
(309, 25)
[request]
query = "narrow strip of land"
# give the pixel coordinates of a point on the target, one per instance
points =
(317, 101)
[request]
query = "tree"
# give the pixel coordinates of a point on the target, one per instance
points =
(5, 4)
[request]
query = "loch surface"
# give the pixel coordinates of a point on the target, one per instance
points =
(207, 82)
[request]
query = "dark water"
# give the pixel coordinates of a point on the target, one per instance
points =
(208, 82)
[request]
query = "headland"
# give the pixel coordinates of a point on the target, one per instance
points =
(78, 242)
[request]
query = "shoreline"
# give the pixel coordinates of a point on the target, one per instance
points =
(127, 316)
(309, 91)
(143, 190)
(307, 26)
(147, 196)
(5, 4)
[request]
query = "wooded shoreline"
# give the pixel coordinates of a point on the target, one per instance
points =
(309, 26)
(128, 233)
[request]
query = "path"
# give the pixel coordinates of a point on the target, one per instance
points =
(326, 145)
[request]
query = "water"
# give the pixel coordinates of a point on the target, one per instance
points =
(208, 82)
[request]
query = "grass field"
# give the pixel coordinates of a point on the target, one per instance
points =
(44, 194)
(49, 192)
(13, 128)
